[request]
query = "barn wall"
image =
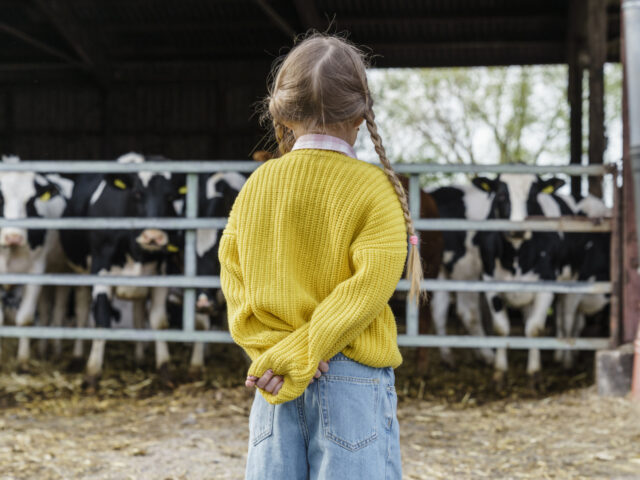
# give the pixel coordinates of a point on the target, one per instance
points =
(208, 117)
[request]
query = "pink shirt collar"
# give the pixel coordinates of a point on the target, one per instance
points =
(324, 142)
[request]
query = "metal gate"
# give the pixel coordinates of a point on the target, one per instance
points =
(189, 281)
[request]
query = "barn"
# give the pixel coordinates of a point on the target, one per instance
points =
(86, 80)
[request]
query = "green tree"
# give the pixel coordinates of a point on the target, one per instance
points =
(479, 115)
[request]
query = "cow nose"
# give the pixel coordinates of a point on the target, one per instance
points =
(13, 239)
(153, 237)
(203, 301)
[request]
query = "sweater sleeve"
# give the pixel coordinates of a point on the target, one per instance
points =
(378, 255)
(246, 330)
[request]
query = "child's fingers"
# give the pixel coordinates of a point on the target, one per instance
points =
(317, 374)
(278, 387)
(265, 378)
(270, 387)
(323, 366)
(250, 381)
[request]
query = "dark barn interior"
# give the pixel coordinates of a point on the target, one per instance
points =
(91, 79)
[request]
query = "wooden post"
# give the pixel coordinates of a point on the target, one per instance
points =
(597, 49)
(630, 276)
(575, 44)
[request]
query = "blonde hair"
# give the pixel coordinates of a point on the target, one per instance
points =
(322, 84)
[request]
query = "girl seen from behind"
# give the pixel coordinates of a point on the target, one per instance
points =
(314, 248)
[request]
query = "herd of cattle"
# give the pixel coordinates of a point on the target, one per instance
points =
(468, 255)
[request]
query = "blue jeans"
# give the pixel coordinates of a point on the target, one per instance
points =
(343, 426)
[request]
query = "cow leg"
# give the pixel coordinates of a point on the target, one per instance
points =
(81, 307)
(196, 366)
(44, 314)
(536, 316)
(61, 295)
(159, 321)
(558, 314)
(571, 355)
(568, 322)
(501, 326)
(102, 313)
(1, 324)
(24, 317)
(468, 306)
(439, 312)
(139, 314)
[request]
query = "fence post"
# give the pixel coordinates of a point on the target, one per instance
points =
(414, 210)
(189, 298)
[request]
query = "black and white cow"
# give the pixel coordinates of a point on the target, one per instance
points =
(589, 259)
(23, 195)
(461, 261)
(216, 194)
(521, 256)
(124, 252)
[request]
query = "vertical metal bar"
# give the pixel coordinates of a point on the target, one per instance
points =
(615, 255)
(414, 210)
(189, 299)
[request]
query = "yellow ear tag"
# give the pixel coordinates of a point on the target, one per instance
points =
(46, 196)
(485, 186)
(120, 184)
(183, 190)
(548, 189)
(172, 248)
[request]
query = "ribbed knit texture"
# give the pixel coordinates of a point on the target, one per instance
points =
(314, 248)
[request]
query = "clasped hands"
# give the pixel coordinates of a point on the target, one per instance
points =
(273, 383)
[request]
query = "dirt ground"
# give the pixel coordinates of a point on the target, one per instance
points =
(453, 424)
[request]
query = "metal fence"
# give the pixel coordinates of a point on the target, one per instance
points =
(189, 281)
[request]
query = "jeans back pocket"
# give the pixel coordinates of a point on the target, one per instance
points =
(260, 419)
(349, 409)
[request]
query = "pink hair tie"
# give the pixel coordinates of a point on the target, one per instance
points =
(413, 240)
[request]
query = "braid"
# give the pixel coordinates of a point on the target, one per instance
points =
(414, 264)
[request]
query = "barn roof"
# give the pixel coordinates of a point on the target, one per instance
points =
(105, 36)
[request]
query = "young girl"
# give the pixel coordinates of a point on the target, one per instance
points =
(315, 245)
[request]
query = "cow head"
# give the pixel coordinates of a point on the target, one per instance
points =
(22, 195)
(515, 197)
(145, 195)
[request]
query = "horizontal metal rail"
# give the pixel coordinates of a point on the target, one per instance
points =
(574, 224)
(208, 166)
(458, 341)
(548, 225)
(182, 281)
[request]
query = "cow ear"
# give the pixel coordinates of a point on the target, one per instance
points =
(46, 192)
(484, 183)
(550, 186)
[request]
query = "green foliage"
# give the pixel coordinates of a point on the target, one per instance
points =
(478, 115)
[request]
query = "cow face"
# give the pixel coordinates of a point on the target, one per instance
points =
(515, 197)
(146, 195)
(22, 195)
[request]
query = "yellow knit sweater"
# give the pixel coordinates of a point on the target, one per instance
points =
(314, 248)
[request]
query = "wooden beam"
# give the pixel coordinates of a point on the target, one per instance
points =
(310, 18)
(576, 20)
(277, 19)
(83, 43)
(597, 50)
(34, 42)
(630, 260)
